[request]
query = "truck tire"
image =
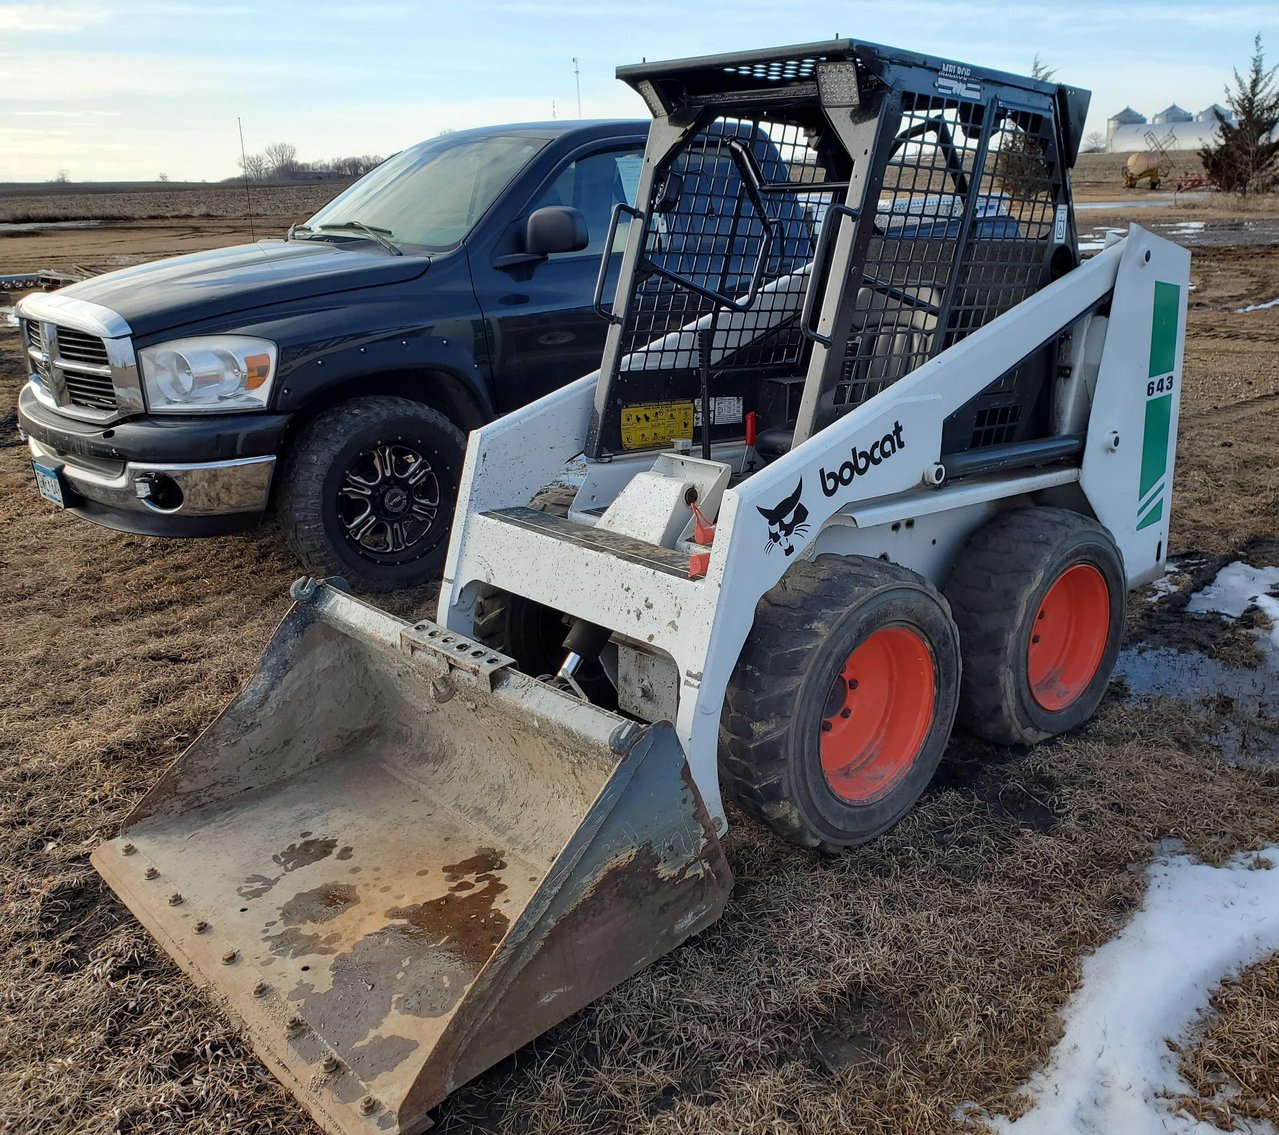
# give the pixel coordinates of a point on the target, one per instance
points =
(369, 492)
(1038, 595)
(842, 701)
(533, 634)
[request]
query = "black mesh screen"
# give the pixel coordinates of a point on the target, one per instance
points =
(995, 425)
(948, 162)
(707, 229)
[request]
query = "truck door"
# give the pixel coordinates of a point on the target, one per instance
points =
(543, 331)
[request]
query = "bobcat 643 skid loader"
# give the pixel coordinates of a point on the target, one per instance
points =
(869, 450)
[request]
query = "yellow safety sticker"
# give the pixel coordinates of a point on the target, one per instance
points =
(648, 424)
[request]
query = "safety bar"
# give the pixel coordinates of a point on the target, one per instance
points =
(772, 229)
(819, 257)
(602, 278)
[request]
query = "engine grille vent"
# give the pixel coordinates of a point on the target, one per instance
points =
(995, 425)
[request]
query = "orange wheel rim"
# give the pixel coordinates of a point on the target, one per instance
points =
(1069, 637)
(877, 714)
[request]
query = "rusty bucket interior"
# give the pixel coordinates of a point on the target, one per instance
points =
(397, 859)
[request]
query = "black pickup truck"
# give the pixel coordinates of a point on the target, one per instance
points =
(331, 376)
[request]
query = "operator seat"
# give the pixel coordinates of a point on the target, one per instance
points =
(892, 338)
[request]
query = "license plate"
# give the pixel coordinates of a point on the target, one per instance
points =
(49, 483)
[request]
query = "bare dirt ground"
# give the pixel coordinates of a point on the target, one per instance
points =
(876, 991)
(133, 225)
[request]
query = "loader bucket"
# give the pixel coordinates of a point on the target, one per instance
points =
(397, 859)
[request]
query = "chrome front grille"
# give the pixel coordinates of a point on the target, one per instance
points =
(83, 374)
(79, 347)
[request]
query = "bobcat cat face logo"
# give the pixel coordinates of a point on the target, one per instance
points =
(785, 521)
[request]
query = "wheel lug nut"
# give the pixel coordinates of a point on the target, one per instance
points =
(152, 872)
(127, 849)
(852, 684)
(259, 990)
(175, 899)
(229, 957)
(845, 713)
(1034, 638)
(295, 1024)
(329, 1063)
(368, 1105)
(825, 726)
(201, 926)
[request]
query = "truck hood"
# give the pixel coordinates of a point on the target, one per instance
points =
(203, 285)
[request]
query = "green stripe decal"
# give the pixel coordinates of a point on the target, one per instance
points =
(1146, 500)
(1153, 515)
(1163, 328)
(1156, 436)
(1154, 445)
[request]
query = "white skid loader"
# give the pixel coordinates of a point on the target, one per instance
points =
(868, 450)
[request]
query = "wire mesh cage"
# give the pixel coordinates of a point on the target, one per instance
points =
(711, 233)
(961, 209)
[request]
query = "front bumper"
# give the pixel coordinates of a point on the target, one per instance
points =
(140, 477)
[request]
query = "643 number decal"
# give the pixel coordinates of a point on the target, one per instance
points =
(1159, 386)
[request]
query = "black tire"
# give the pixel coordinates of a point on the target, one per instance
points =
(997, 591)
(320, 504)
(774, 727)
(533, 634)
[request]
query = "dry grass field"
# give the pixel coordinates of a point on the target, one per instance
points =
(877, 991)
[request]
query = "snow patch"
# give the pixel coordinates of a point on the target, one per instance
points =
(1154, 203)
(1237, 587)
(1112, 1071)
(1257, 306)
(1167, 584)
(1095, 239)
(10, 227)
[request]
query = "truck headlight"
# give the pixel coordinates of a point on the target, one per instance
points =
(219, 373)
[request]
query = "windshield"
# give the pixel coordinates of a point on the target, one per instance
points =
(431, 194)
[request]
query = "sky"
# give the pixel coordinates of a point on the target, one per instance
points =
(129, 89)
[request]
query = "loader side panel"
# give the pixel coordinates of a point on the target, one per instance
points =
(1132, 433)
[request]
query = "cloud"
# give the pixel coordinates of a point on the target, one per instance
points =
(67, 16)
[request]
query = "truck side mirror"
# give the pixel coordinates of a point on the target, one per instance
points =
(555, 228)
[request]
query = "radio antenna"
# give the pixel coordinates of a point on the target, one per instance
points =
(577, 78)
(244, 165)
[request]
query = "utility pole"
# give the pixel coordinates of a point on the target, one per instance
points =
(577, 78)
(553, 114)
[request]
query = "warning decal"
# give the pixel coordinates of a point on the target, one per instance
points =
(649, 424)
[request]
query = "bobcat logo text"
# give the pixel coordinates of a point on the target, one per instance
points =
(860, 460)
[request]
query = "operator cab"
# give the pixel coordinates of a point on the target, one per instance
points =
(957, 209)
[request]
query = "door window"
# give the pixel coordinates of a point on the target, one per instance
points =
(593, 184)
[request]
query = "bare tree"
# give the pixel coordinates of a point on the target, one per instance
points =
(281, 159)
(1095, 143)
(162, 177)
(254, 166)
(63, 176)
